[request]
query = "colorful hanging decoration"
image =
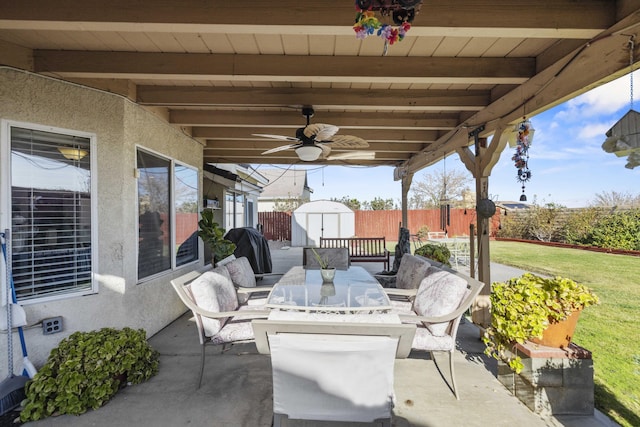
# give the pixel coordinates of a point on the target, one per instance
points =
(521, 157)
(367, 24)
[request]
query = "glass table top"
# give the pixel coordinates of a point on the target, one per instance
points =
(352, 290)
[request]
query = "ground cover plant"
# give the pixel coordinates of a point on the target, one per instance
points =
(86, 370)
(609, 329)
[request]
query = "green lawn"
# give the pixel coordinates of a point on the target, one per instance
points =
(609, 330)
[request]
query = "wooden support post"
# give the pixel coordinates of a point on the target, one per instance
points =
(472, 251)
(481, 308)
(406, 185)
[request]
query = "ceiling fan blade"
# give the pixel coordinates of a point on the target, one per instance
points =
(326, 150)
(280, 137)
(281, 148)
(348, 141)
(353, 155)
(322, 132)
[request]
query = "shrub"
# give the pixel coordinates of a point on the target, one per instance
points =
(86, 370)
(436, 252)
(535, 223)
(512, 227)
(423, 232)
(523, 307)
(620, 230)
(544, 221)
(579, 226)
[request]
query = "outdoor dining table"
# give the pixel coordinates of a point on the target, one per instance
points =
(352, 291)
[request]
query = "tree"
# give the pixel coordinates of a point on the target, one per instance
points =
(378, 204)
(353, 204)
(427, 193)
(288, 204)
(615, 199)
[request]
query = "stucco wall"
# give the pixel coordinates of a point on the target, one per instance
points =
(120, 126)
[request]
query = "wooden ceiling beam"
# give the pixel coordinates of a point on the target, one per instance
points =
(245, 134)
(585, 68)
(558, 18)
(283, 68)
(248, 146)
(294, 160)
(318, 97)
(293, 119)
(386, 155)
(226, 156)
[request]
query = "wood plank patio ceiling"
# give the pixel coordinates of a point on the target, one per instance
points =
(223, 71)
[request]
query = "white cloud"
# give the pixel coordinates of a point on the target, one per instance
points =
(594, 130)
(605, 99)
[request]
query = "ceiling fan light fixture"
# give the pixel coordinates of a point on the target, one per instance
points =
(72, 153)
(308, 153)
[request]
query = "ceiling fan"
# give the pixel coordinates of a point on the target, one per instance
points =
(315, 140)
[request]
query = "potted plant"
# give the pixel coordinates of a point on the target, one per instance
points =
(523, 308)
(213, 236)
(326, 271)
(435, 251)
(86, 370)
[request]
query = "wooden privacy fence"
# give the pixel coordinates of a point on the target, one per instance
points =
(275, 225)
(386, 222)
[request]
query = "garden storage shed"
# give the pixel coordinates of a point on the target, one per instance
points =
(321, 218)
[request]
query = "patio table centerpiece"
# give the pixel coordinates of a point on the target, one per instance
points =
(327, 272)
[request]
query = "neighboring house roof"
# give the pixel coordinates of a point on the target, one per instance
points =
(284, 184)
(236, 177)
(512, 205)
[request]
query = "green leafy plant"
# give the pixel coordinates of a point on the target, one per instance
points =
(324, 262)
(86, 370)
(436, 252)
(523, 307)
(213, 236)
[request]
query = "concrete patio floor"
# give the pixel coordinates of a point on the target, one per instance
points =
(236, 389)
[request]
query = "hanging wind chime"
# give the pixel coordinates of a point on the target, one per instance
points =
(523, 141)
(445, 207)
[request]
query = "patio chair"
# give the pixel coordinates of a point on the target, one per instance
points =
(402, 287)
(440, 302)
(244, 279)
(220, 319)
(337, 257)
(346, 378)
(460, 252)
(410, 273)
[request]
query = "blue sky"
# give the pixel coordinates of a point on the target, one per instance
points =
(567, 162)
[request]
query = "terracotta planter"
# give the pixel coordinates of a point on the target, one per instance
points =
(559, 334)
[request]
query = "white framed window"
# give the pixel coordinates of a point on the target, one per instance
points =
(48, 188)
(186, 208)
(235, 210)
(167, 214)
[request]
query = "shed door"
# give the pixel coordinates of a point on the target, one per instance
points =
(330, 225)
(314, 229)
(322, 225)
